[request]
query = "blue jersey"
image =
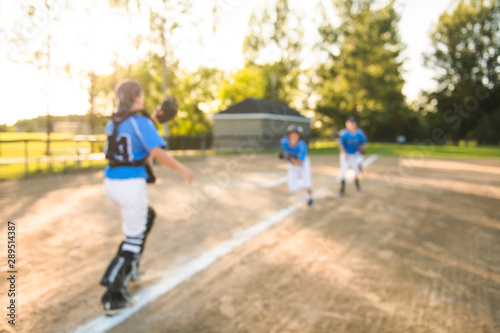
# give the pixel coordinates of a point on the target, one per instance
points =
(137, 135)
(352, 142)
(299, 152)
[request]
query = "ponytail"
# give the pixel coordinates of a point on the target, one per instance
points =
(127, 92)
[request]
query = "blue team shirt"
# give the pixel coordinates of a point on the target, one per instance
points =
(298, 152)
(137, 135)
(352, 142)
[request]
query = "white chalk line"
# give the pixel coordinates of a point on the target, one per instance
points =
(269, 184)
(284, 179)
(275, 182)
(369, 160)
(174, 277)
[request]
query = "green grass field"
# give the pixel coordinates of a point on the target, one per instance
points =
(411, 150)
(37, 149)
(18, 171)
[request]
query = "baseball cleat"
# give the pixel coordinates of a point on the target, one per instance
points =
(310, 203)
(114, 303)
(342, 188)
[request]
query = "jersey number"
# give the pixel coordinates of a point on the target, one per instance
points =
(122, 147)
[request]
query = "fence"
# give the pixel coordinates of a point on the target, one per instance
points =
(248, 143)
(24, 158)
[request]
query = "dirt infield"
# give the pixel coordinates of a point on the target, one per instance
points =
(418, 250)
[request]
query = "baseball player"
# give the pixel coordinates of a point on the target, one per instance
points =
(299, 164)
(132, 140)
(352, 142)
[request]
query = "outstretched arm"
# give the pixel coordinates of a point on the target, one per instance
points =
(362, 148)
(161, 156)
(296, 161)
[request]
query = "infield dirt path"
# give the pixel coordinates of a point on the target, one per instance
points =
(417, 251)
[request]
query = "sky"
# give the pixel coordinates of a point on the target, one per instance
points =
(90, 40)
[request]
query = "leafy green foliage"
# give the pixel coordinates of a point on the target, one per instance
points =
(247, 82)
(191, 90)
(363, 74)
(277, 33)
(467, 57)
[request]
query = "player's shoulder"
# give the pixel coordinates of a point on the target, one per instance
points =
(359, 131)
(284, 139)
(144, 123)
(342, 132)
(141, 118)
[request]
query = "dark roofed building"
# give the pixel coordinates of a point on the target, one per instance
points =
(252, 105)
(255, 124)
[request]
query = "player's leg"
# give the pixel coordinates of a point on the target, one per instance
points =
(344, 166)
(360, 160)
(355, 163)
(293, 178)
(307, 180)
(131, 197)
(135, 244)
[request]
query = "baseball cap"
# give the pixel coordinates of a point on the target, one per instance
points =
(295, 128)
(352, 118)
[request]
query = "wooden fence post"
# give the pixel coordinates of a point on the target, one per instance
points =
(203, 145)
(26, 162)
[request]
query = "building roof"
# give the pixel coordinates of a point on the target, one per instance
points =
(252, 105)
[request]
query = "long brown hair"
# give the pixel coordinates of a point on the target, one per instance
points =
(127, 92)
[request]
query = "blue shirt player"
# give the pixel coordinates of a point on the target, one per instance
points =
(133, 141)
(299, 164)
(352, 142)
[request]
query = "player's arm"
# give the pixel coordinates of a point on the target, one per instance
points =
(301, 156)
(161, 156)
(341, 145)
(283, 155)
(364, 141)
(341, 141)
(296, 161)
(362, 148)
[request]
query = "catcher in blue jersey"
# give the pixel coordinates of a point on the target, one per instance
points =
(352, 142)
(299, 164)
(133, 140)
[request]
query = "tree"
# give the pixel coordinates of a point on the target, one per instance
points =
(195, 92)
(164, 19)
(31, 42)
(277, 33)
(362, 75)
(249, 81)
(466, 57)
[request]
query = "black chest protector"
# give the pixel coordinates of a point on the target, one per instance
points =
(113, 149)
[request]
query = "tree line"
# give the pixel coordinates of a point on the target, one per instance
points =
(356, 70)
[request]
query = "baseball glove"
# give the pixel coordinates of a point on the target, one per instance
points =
(283, 156)
(168, 110)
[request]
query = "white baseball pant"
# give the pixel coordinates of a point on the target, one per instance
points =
(299, 176)
(350, 161)
(131, 197)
